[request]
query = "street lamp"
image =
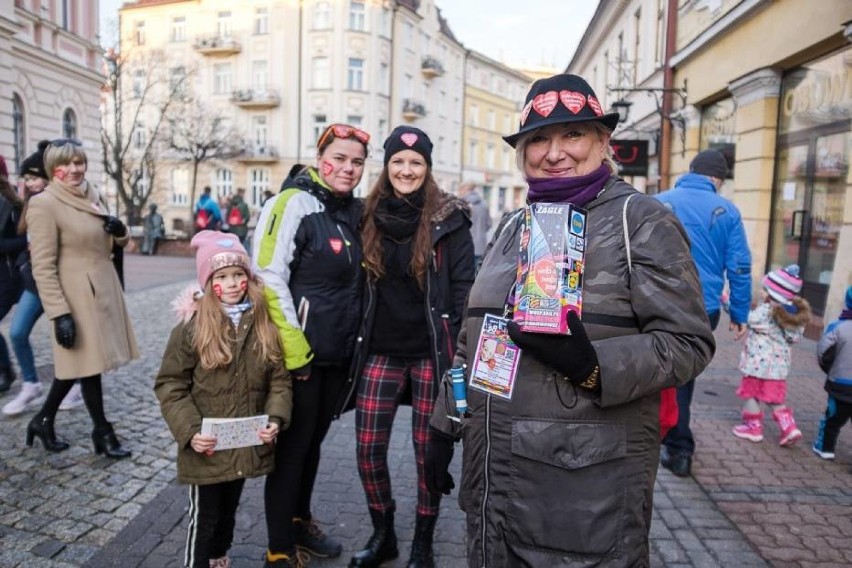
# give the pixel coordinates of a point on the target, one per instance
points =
(622, 107)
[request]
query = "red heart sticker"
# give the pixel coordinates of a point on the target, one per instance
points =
(545, 103)
(409, 138)
(525, 113)
(337, 244)
(572, 100)
(596, 106)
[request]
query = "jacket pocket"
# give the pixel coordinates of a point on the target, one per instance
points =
(568, 490)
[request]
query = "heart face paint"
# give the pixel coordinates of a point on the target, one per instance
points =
(217, 289)
(60, 172)
(326, 168)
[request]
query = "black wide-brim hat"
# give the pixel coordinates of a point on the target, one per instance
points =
(560, 99)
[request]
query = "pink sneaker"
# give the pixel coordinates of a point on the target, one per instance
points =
(790, 434)
(752, 427)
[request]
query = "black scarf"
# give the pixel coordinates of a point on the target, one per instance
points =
(398, 217)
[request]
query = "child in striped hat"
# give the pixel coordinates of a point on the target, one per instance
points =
(776, 322)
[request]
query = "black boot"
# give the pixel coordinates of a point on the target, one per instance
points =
(421, 547)
(41, 427)
(7, 377)
(107, 443)
(382, 545)
(310, 537)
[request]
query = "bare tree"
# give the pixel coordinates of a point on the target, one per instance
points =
(138, 93)
(200, 134)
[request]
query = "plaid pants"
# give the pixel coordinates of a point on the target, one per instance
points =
(382, 385)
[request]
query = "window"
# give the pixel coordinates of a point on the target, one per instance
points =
(258, 74)
(661, 33)
(471, 157)
(408, 36)
(179, 29)
(138, 83)
(66, 15)
(321, 73)
(492, 120)
(139, 135)
(384, 77)
(143, 180)
(177, 80)
(322, 15)
(354, 119)
(355, 74)
(69, 123)
(261, 21)
(224, 184)
(259, 131)
(320, 122)
(139, 33)
(356, 16)
(18, 129)
(474, 115)
(222, 79)
(258, 183)
(382, 131)
(223, 23)
(386, 20)
(637, 29)
(489, 156)
(407, 86)
(180, 184)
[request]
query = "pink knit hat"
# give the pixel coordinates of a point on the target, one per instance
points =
(783, 284)
(215, 250)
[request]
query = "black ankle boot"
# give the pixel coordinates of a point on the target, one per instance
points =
(7, 377)
(41, 427)
(382, 545)
(107, 443)
(421, 547)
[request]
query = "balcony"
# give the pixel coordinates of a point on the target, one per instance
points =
(256, 98)
(412, 110)
(431, 67)
(217, 46)
(258, 154)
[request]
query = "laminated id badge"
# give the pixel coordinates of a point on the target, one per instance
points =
(495, 363)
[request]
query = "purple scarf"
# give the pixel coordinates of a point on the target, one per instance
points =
(578, 190)
(846, 314)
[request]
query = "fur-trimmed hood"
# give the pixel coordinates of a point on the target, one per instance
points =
(449, 204)
(789, 320)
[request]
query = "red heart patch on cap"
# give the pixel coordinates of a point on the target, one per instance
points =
(545, 103)
(525, 113)
(409, 139)
(596, 106)
(572, 100)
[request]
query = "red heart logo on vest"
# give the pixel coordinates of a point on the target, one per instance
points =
(545, 103)
(409, 138)
(337, 244)
(596, 106)
(525, 113)
(572, 100)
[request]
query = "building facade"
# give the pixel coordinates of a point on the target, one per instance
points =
(49, 78)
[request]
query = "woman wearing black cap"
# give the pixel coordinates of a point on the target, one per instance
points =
(562, 473)
(418, 254)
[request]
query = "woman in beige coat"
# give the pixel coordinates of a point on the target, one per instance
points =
(71, 238)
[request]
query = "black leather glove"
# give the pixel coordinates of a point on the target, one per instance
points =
(65, 331)
(572, 355)
(115, 227)
(439, 454)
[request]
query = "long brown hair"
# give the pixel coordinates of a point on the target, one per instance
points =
(371, 236)
(7, 190)
(214, 332)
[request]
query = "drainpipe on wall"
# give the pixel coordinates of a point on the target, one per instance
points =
(665, 149)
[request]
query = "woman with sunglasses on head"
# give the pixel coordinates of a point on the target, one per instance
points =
(71, 237)
(418, 254)
(307, 251)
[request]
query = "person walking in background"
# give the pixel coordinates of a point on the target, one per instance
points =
(480, 220)
(307, 250)
(720, 250)
(777, 321)
(222, 360)
(153, 229)
(71, 239)
(834, 354)
(418, 255)
(206, 213)
(11, 245)
(237, 217)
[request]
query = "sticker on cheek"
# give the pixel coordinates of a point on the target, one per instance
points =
(327, 168)
(60, 173)
(217, 289)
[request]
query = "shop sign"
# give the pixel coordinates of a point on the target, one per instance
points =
(632, 156)
(818, 94)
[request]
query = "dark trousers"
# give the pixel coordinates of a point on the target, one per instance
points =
(289, 488)
(837, 413)
(679, 440)
(212, 516)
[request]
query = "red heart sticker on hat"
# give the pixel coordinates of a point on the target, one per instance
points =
(596, 106)
(409, 138)
(572, 100)
(545, 103)
(525, 113)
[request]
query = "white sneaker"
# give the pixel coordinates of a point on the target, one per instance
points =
(821, 453)
(72, 400)
(29, 393)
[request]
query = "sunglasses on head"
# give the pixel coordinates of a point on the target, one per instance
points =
(343, 131)
(60, 142)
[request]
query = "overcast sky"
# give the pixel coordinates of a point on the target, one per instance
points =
(515, 32)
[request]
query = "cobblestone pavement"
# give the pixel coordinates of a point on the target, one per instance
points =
(748, 504)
